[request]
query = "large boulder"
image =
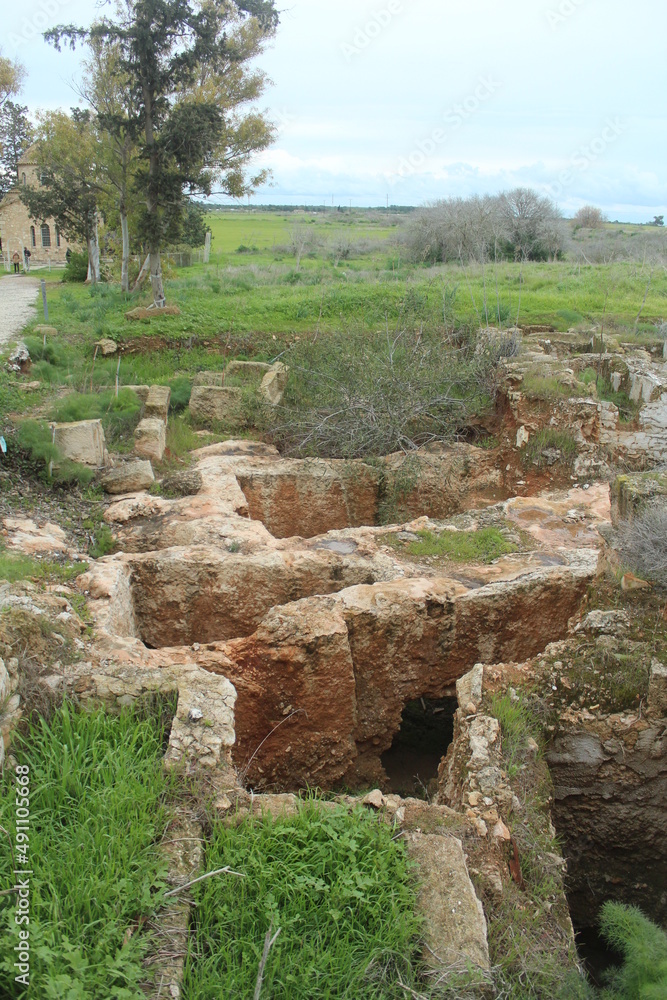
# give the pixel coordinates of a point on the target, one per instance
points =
(129, 477)
(82, 441)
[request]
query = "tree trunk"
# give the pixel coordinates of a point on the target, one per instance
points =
(125, 266)
(141, 277)
(93, 256)
(156, 278)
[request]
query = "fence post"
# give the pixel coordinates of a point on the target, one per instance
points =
(46, 308)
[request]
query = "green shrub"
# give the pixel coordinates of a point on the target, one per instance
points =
(36, 439)
(77, 267)
(359, 395)
(181, 389)
(643, 945)
(483, 545)
(119, 414)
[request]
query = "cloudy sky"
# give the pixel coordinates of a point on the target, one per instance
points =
(410, 100)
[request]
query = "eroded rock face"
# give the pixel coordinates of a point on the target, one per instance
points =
(610, 787)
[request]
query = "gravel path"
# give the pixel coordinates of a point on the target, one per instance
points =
(17, 299)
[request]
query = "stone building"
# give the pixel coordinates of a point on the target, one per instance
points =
(18, 230)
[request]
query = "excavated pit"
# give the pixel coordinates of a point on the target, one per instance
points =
(326, 639)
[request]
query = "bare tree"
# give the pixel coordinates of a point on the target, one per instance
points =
(589, 217)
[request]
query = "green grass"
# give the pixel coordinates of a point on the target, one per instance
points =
(119, 414)
(338, 887)
(546, 387)
(97, 791)
(20, 567)
(483, 545)
(550, 439)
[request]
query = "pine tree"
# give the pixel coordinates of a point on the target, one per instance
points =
(167, 50)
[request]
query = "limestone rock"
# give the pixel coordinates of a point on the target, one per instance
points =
(632, 582)
(454, 922)
(604, 622)
(25, 535)
(150, 438)
(209, 378)
(274, 383)
(157, 402)
(82, 441)
(221, 404)
(375, 799)
(633, 493)
(5, 689)
(469, 688)
(128, 478)
(522, 437)
(107, 346)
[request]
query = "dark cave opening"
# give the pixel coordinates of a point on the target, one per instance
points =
(426, 730)
(596, 954)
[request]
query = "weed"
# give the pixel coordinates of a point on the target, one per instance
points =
(548, 446)
(119, 414)
(642, 543)
(644, 948)
(36, 439)
(546, 387)
(20, 567)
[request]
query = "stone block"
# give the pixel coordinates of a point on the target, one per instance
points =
(82, 441)
(454, 922)
(129, 478)
(222, 404)
(107, 346)
(274, 383)
(150, 438)
(157, 402)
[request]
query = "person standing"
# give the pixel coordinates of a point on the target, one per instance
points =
(16, 260)
(26, 259)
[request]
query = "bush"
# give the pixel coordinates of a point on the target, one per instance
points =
(644, 948)
(77, 267)
(119, 414)
(589, 217)
(353, 396)
(642, 543)
(36, 439)
(181, 388)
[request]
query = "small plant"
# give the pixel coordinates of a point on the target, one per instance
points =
(20, 567)
(119, 414)
(643, 945)
(549, 446)
(77, 267)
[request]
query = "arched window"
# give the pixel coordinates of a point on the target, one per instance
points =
(46, 235)
(23, 179)
(57, 237)
(33, 240)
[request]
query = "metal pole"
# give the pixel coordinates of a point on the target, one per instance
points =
(46, 308)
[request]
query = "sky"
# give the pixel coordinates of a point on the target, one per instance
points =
(407, 101)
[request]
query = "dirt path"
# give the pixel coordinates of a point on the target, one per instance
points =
(17, 299)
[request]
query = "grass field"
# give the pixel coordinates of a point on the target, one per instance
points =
(352, 275)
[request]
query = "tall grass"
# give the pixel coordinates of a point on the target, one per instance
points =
(96, 809)
(337, 886)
